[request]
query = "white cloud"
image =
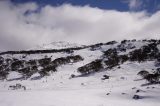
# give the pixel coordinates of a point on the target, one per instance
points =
(84, 25)
(134, 4)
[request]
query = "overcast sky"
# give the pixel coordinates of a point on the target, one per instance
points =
(24, 25)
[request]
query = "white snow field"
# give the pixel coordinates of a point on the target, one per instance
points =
(59, 89)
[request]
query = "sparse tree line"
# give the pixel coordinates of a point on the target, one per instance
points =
(65, 50)
(27, 68)
(152, 78)
(111, 57)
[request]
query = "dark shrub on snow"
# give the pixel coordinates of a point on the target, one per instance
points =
(96, 46)
(68, 59)
(112, 58)
(17, 65)
(45, 61)
(3, 75)
(1, 60)
(157, 71)
(105, 77)
(138, 55)
(136, 97)
(49, 68)
(124, 41)
(123, 58)
(31, 62)
(110, 52)
(72, 76)
(73, 59)
(94, 66)
(25, 71)
(17, 86)
(153, 78)
(43, 73)
(111, 43)
(143, 73)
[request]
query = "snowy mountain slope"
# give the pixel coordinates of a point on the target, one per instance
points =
(84, 91)
(67, 86)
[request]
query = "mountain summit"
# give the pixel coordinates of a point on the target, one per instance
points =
(57, 45)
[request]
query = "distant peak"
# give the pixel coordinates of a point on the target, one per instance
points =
(58, 45)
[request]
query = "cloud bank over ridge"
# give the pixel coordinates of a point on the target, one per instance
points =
(26, 25)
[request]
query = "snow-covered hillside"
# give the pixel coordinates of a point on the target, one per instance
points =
(103, 74)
